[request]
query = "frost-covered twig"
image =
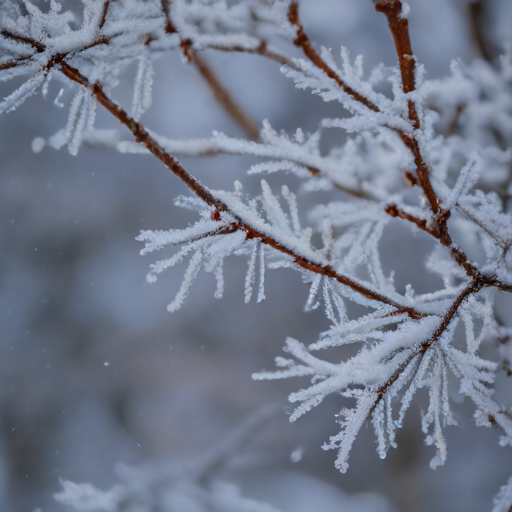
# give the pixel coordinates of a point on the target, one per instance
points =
(407, 341)
(306, 260)
(197, 484)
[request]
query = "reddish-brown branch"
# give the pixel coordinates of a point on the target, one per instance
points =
(438, 230)
(166, 8)
(197, 188)
(441, 234)
(326, 270)
(302, 40)
(400, 30)
(14, 63)
(142, 136)
(394, 211)
(38, 47)
(222, 95)
(262, 50)
(225, 99)
(461, 258)
(313, 170)
(104, 13)
(422, 171)
(409, 176)
(472, 288)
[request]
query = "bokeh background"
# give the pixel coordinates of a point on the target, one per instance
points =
(94, 371)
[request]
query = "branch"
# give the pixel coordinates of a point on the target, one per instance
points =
(316, 165)
(399, 27)
(222, 95)
(477, 18)
(38, 47)
(142, 136)
(261, 50)
(103, 19)
(302, 41)
(225, 99)
(442, 235)
(394, 211)
(14, 63)
(473, 287)
(505, 245)
(166, 8)
(400, 30)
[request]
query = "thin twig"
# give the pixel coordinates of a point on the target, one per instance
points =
(225, 99)
(505, 245)
(450, 129)
(141, 135)
(444, 238)
(103, 18)
(221, 93)
(400, 30)
(14, 63)
(166, 8)
(423, 224)
(302, 41)
(477, 15)
(472, 288)
(399, 27)
(38, 47)
(262, 50)
(394, 211)
(441, 231)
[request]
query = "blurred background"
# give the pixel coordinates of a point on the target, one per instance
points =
(94, 371)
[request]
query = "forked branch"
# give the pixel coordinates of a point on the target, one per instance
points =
(141, 135)
(400, 31)
(221, 93)
(472, 288)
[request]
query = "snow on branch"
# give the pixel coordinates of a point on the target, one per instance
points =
(432, 154)
(197, 484)
(503, 501)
